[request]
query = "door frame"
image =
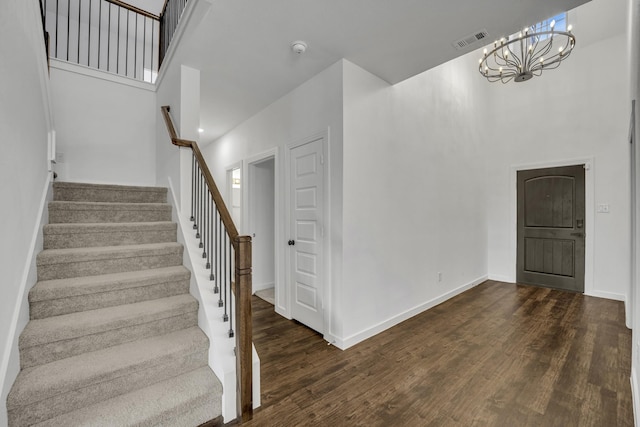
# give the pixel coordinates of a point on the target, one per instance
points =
(589, 208)
(249, 162)
(326, 238)
(630, 306)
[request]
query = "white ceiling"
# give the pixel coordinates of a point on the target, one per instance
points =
(242, 47)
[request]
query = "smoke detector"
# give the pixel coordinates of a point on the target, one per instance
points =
(299, 47)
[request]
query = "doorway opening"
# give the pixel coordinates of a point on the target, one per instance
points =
(234, 195)
(262, 226)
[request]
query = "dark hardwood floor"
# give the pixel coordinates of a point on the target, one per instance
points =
(497, 355)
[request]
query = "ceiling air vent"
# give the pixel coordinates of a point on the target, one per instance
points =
(471, 39)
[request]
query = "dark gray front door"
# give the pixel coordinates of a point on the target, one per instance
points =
(551, 227)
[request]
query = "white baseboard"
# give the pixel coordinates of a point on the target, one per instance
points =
(501, 278)
(401, 317)
(10, 363)
(607, 295)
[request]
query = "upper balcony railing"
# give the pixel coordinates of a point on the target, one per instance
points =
(111, 35)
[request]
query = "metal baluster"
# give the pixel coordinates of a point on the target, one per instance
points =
(224, 280)
(195, 219)
(79, 13)
(144, 43)
(199, 235)
(119, 9)
(219, 263)
(99, 29)
(214, 267)
(152, 50)
(135, 53)
(68, 21)
(207, 239)
(193, 184)
(205, 220)
(109, 40)
(230, 292)
(57, 20)
(213, 222)
(126, 52)
(89, 43)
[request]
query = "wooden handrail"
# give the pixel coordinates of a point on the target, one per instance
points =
(213, 188)
(134, 9)
(242, 285)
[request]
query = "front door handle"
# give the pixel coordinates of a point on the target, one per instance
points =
(291, 242)
(578, 234)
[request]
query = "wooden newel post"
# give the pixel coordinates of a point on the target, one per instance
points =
(244, 335)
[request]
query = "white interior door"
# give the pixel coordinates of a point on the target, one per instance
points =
(306, 172)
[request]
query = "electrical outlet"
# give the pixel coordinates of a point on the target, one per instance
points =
(59, 157)
(603, 208)
(439, 276)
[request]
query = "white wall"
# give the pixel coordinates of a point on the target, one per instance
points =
(24, 122)
(414, 194)
(105, 127)
(313, 107)
(579, 111)
(167, 154)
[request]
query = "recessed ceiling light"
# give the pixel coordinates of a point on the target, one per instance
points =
(200, 130)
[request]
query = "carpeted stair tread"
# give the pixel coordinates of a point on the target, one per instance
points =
(62, 296)
(76, 262)
(53, 338)
(75, 191)
(84, 370)
(73, 325)
(75, 235)
(185, 400)
(75, 286)
(96, 212)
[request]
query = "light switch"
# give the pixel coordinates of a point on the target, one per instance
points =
(603, 208)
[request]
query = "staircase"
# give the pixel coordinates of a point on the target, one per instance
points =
(113, 338)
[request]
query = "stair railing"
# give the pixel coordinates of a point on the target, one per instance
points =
(228, 261)
(108, 35)
(169, 19)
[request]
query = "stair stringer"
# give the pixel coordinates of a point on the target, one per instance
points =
(222, 359)
(10, 358)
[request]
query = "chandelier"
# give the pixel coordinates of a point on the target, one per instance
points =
(526, 54)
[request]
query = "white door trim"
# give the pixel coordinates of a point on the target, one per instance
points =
(630, 307)
(278, 249)
(326, 242)
(589, 207)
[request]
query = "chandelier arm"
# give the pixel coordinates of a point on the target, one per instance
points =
(515, 61)
(544, 50)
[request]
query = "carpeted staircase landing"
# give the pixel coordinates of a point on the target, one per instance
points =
(113, 338)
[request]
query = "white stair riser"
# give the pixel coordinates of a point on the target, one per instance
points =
(107, 237)
(96, 193)
(62, 214)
